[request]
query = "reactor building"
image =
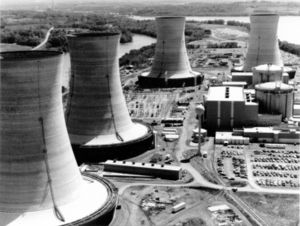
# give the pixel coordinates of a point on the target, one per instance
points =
(171, 66)
(97, 117)
(40, 180)
(229, 107)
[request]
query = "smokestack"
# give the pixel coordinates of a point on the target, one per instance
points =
(171, 66)
(40, 181)
(97, 115)
(263, 45)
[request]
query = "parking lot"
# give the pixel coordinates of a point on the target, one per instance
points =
(230, 162)
(275, 167)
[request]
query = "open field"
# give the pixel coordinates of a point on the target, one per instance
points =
(275, 209)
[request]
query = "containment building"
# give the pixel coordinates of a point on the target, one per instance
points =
(40, 181)
(275, 98)
(97, 117)
(171, 66)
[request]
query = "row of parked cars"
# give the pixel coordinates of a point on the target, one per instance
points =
(278, 166)
(258, 173)
(277, 183)
(275, 159)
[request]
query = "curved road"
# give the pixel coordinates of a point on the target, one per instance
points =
(45, 40)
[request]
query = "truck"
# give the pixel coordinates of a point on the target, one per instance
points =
(178, 207)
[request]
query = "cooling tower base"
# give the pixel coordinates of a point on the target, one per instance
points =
(154, 82)
(92, 152)
(94, 206)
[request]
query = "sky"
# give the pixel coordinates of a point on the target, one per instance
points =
(7, 3)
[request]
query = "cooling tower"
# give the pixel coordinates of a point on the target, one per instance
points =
(171, 66)
(275, 98)
(97, 115)
(263, 45)
(40, 183)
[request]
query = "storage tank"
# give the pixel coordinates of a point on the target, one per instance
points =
(263, 45)
(268, 73)
(40, 181)
(97, 116)
(275, 98)
(171, 66)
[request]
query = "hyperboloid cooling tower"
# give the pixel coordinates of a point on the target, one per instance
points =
(40, 183)
(263, 45)
(98, 121)
(171, 66)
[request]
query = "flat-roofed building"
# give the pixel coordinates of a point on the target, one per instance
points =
(151, 169)
(228, 107)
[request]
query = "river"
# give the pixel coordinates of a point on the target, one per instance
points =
(288, 26)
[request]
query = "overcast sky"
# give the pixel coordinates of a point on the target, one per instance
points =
(5, 3)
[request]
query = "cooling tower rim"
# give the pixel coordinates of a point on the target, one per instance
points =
(264, 14)
(95, 211)
(169, 17)
(107, 207)
(145, 136)
(93, 34)
(28, 55)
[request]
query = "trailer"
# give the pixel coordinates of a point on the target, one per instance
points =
(178, 207)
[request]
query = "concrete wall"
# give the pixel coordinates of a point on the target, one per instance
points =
(263, 42)
(96, 103)
(33, 134)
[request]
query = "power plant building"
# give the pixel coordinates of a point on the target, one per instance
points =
(171, 66)
(269, 73)
(230, 107)
(263, 47)
(275, 98)
(97, 117)
(40, 180)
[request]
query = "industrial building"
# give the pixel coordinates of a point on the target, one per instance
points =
(259, 134)
(151, 169)
(171, 66)
(230, 107)
(263, 47)
(261, 74)
(40, 180)
(275, 98)
(97, 118)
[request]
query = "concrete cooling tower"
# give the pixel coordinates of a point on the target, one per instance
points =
(98, 121)
(40, 183)
(263, 45)
(171, 66)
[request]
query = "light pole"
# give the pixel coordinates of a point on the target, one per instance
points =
(199, 111)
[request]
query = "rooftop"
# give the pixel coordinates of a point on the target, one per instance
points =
(225, 93)
(268, 67)
(273, 86)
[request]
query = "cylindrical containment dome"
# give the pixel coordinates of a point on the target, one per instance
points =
(171, 63)
(267, 73)
(263, 45)
(97, 114)
(40, 181)
(275, 98)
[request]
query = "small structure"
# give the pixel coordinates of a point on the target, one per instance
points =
(151, 169)
(178, 207)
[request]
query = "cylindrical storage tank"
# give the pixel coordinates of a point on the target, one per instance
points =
(171, 66)
(263, 45)
(267, 73)
(97, 114)
(275, 98)
(40, 183)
